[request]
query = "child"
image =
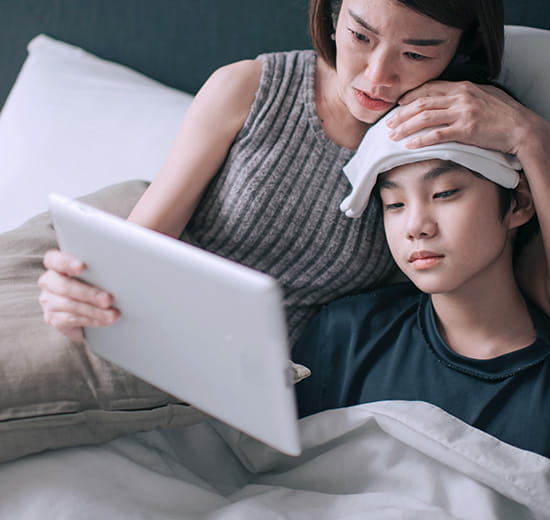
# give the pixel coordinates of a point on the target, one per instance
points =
(470, 342)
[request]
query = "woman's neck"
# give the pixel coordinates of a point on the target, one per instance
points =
(336, 120)
(484, 321)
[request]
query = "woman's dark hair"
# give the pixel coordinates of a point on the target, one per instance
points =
(482, 23)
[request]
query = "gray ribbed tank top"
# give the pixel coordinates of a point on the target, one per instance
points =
(274, 203)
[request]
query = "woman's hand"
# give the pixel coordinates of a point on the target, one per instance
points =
(69, 304)
(465, 112)
(487, 117)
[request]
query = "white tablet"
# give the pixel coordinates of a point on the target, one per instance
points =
(205, 329)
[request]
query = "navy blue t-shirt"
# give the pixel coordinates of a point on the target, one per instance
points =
(385, 345)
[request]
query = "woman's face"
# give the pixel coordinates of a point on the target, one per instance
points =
(384, 49)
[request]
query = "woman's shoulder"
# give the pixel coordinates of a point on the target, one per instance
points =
(245, 75)
(236, 79)
(229, 92)
(303, 55)
(288, 66)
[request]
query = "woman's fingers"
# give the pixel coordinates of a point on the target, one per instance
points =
(63, 263)
(57, 283)
(433, 89)
(479, 115)
(69, 304)
(427, 113)
(61, 324)
(69, 324)
(75, 313)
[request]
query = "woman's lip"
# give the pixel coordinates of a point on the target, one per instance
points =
(371, 103)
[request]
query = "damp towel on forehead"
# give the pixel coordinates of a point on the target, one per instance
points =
(377, 154)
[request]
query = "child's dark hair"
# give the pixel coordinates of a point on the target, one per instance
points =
(525, 232)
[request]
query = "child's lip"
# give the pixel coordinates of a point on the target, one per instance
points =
(422, 255)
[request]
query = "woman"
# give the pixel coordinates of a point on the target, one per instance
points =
(255, 172)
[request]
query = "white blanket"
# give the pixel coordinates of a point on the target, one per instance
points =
(387, 460)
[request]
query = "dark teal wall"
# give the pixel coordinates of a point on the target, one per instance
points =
(178, 42)
(535, 13)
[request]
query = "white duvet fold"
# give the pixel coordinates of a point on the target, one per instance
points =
(384, 460)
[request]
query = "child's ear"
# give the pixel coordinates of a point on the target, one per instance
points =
(522, 208)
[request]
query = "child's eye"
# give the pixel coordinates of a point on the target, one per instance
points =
(394, 205)
(416, 57)
(445, 194)
(358, 36)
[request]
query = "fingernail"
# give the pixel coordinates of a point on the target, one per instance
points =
(76, 264)
(103, 300)
(390, 122)
(107, 317)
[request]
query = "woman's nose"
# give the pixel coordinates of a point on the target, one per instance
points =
(381, 70)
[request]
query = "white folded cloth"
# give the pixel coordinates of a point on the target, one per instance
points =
(377, 154)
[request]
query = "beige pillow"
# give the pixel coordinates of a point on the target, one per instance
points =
(54, 392)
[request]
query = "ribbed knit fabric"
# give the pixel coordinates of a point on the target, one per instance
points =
(274, 204)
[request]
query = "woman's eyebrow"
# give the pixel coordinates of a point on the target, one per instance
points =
(427, 42)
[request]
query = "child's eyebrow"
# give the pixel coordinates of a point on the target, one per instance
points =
(383, 184)
(439, 170)
(436, 171)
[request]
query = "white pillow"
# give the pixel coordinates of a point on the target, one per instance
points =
(526, 67)
(74, 123)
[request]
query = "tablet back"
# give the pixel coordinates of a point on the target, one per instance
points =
(203, 328)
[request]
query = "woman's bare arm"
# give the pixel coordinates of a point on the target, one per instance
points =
(211, 124)
(532, 267)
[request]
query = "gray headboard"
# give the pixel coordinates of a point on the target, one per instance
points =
(179, 42)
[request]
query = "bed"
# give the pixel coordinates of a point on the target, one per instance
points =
(92, 95)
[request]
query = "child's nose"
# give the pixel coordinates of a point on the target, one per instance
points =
(420, 225)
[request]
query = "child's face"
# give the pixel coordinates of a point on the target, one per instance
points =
(444, 225)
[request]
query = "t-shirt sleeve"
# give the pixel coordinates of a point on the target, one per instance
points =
(324, 348)
(308, 352)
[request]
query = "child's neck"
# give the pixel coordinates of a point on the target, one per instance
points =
(484, 322)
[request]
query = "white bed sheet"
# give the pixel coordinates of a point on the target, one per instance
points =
(383, 460)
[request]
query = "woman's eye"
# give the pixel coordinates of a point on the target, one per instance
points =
(416, 57)
(358, 36)
(445, 194)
